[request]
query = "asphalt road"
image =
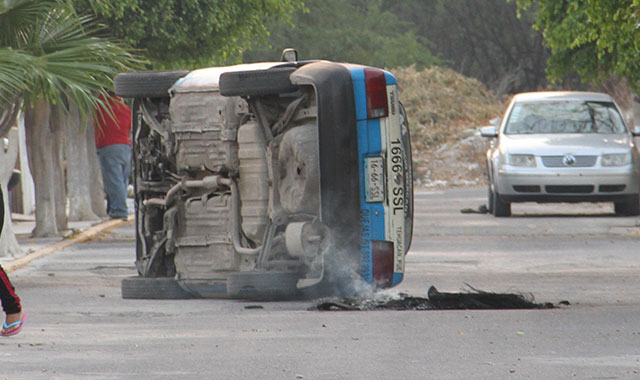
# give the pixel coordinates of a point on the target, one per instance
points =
(80, 328)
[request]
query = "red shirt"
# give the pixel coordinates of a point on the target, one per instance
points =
(112, 129)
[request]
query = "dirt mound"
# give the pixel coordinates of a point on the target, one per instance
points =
(445, 110)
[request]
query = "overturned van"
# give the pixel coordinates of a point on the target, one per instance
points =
(268, 181)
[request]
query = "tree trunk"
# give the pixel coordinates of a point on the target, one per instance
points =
(57, 124)
(8, 118)
(39, 138)
(635, 109)
(79, 174)
(97, 190)
(8, 242)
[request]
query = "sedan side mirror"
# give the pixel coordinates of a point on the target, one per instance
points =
(489, 132)
(636, 131)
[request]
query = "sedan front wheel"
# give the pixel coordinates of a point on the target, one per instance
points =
(630, 207)
(490, 199)
(500, 207)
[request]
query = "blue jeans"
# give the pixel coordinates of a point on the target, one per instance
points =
(115, 162)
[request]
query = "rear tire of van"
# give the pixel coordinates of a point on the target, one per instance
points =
(258, 82)
(263, 286)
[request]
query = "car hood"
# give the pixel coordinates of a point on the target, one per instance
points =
(554, 144)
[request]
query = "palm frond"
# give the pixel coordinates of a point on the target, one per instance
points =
(14, 74)
(17, 17)
(62, 59)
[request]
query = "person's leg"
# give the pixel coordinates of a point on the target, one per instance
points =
(10, 304)
(126, 168)
(113, 159)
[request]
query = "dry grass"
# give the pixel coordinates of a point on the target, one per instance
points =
(445, 110)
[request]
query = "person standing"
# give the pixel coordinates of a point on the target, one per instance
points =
(11, 306)
(114, 152)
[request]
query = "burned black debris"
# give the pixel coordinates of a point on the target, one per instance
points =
(473, 299)
(482, 209)
(478, 299)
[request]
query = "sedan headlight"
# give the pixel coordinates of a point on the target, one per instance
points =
(616, 159)
(524, 160)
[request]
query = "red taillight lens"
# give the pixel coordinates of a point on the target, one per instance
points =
(382, 263)
(376, 86)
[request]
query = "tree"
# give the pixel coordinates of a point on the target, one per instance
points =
(8, 156)
(353, 31)
(591, 38)
(52, 57)
(484, 40)
(177, 33)
(79, 157)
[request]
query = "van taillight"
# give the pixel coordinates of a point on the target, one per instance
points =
(376, 86)
(382, 263)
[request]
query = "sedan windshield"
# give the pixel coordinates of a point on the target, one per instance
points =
(567, 116)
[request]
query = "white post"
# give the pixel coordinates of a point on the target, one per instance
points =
(28, 188)
(8, 155)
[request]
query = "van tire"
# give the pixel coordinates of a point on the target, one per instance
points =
(146, 84)
(263, 286)
(258, 82)
(158, 288)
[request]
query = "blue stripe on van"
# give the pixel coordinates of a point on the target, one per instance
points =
(372, 217)
(397, 278)
(357, 77)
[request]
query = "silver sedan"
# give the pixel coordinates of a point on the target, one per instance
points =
(563, 147)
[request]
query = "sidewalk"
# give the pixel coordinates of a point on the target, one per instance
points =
(33, 248)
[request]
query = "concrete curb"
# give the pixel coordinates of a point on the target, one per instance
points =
(83, 236)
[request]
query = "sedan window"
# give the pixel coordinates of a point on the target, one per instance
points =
(565, 117)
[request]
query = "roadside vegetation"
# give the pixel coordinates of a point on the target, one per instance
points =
(445, 109)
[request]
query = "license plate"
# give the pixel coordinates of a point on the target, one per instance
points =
(374, 177)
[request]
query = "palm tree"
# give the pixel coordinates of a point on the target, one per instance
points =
(52, 59)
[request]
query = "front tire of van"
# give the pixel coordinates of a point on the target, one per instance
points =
(158, 288)
(146, 84)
